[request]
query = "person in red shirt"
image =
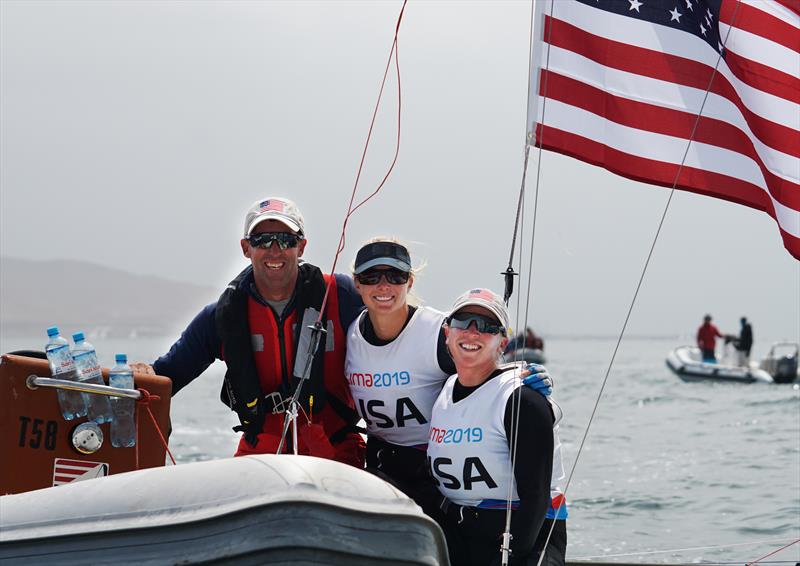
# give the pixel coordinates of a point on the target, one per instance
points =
(707, 336)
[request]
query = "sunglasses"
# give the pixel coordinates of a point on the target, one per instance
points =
(483, 324)
(264, 240)
(392, 276)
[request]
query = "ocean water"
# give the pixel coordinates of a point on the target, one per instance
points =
(669, 472)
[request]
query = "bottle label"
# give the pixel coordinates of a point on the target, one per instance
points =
(61, 360)
(88, 364)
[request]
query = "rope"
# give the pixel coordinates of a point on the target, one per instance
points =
(393, 54)
(771, 553)
(145, 401)
(317, 329)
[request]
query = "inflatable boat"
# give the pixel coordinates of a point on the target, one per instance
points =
(529, 355)
(688, 364)
(70, 498)
(266, 509)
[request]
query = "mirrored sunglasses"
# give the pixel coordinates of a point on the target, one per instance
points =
(483, 324)
(264, 240)
(392, 276)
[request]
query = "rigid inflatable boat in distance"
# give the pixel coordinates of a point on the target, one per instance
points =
(687, 363)
(265, 509)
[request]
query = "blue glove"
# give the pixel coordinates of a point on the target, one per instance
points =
(538, 379)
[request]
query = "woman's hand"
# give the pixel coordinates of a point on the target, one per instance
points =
(536, 377)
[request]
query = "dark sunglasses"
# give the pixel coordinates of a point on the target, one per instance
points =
(264, 240)
(392, 276)
(484, 324)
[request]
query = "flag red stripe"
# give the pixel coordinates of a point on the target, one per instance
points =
(660, 173)
(751, 19)
(81, 463)
(764, 78)
(64, 479)
(667, 121)
(793, 5)
(69, 471)
(670, 68)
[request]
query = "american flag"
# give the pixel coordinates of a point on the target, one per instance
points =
(272, 204)
(68, 471)
(484, 294)
(620, 84)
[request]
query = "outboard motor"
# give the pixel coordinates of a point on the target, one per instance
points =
(785, 369)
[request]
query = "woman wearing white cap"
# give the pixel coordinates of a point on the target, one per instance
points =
(396, 365)
(478, 413)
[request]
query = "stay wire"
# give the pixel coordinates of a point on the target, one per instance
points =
(519, 225)
(317, 327)
(646, 263)
(691, 548)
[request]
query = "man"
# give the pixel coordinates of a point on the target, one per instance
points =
(260, 327)
(707, 336)
(745, 342)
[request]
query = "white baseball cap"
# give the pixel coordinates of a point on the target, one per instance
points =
(487, 299)
(274, 208)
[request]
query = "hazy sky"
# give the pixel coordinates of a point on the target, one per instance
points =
(136, 134)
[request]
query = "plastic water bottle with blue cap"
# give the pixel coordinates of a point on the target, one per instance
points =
(85, 356)
(123, 427)
(62, 366)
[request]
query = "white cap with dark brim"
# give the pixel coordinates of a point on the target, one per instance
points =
(274, 208)
(487, 299)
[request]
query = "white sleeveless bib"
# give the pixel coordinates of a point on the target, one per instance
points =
(394, 386)
(467, 447)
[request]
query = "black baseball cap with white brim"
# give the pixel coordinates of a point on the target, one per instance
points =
(390, 254)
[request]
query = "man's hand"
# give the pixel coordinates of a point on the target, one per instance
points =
(141, 367)
(536, 377)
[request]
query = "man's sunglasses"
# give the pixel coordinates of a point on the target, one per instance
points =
(484, 324)
(392, 276)
(264, 240)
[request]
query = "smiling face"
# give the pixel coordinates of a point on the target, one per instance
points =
(384, 299)
(274, 270)
(474, 353)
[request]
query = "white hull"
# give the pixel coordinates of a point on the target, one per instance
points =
(251, 510)
(686, 362)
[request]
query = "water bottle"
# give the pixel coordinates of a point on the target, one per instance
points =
(123, 427)
(98, 406)
(62, 367)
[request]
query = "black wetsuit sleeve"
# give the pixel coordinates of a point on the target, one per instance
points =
(533, 467)
(198, 346)
(446, 363)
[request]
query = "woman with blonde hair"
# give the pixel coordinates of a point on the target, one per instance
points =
(397, 362)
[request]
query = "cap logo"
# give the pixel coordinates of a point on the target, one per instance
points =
(481, 294)
(272, 204)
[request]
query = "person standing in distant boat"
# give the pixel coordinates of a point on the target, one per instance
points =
(707, 336)
(260, 328)
(476, 417)
(745, 342)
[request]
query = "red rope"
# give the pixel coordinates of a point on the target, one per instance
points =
(351, 209)
(145, 400)
(771, 553)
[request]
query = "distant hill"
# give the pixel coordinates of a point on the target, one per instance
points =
(93, 297)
